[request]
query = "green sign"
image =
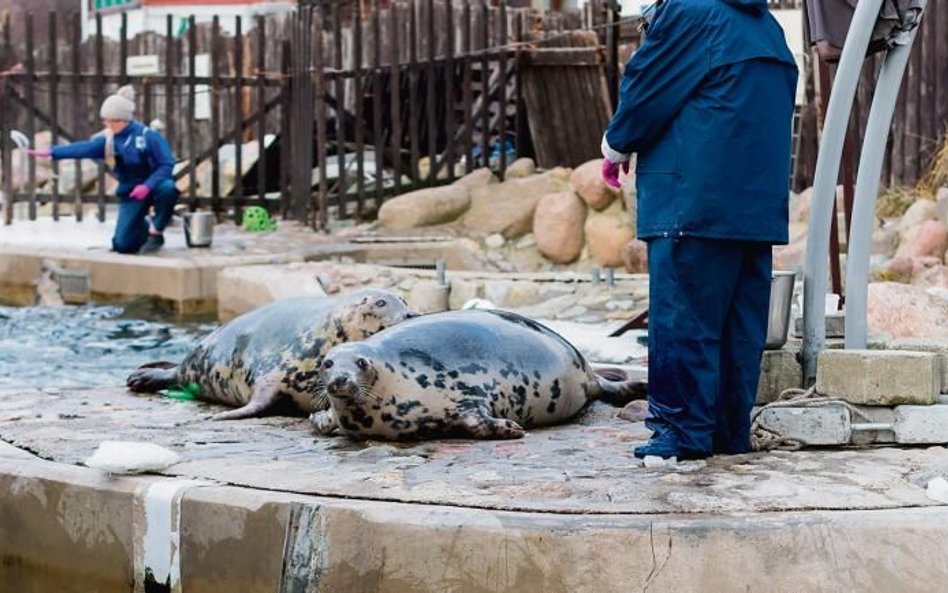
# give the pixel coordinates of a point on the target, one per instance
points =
(114, 4)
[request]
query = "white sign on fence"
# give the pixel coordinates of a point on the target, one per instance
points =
(142, 65)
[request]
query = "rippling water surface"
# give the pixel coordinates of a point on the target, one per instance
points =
(87, 346)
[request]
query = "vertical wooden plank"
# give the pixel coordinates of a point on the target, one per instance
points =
(449, 126)
(430, 107)
(928, 124)
(520, 125)
(123, 49)
(99, 97)
(467, 90)
(285, 131)
(913, 106)
(192, 108)
(378, 136)
(395, 105)
(341, 192)
(5, 124)
(413, 88)
(940, 22)
(485, 85)
(238, 92)
(261, 103)
(77, 124)
(358, 77)
(215, 115)
(502, 88)
(322, 142)
(53, 68)
(170, 58)
(31, 115)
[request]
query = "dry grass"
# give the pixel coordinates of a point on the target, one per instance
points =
(937, 175)
(894, 201)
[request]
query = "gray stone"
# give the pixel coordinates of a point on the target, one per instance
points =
(425, 207)
(835, 325)
(463, 291)
(878, 377)
(572, 312)
(939, 346)
(921, 425)
(825, 425)
(427, 296)
(495, 241)
(521, 167)
(779, 370)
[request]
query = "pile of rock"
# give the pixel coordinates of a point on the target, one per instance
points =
(530, 221)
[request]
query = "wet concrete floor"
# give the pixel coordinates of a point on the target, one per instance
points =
(585, 466)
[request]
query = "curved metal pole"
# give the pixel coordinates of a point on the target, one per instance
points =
(867, 187)
(824, 183)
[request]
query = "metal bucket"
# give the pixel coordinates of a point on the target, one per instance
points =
(199, 228)
(778, 320)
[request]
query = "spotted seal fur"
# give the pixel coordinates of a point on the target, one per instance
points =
(481, 373)
(273, 354)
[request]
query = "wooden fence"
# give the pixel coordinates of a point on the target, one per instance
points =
(354, 106)
(329, 111)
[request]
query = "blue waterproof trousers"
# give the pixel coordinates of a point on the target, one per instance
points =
(707, 326)
(131, 229)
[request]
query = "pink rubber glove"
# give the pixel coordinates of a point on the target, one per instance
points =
(40, 153)
(140, 192)
(610, 172)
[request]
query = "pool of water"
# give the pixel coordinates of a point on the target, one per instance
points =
(85, 346)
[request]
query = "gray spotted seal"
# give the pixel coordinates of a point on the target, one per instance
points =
(272, 355)
(482, 373)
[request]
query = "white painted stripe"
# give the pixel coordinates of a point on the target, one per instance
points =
(162, 537)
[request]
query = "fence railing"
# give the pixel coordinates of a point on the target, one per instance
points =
(316, 113)
(325, 112)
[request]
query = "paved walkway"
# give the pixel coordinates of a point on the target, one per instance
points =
(582, 467)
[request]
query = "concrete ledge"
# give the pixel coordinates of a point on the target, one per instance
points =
(878, 377)
(71, 529)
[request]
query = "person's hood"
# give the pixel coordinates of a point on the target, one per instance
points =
(748, 5)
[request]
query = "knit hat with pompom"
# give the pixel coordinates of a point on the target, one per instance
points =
(121, 105)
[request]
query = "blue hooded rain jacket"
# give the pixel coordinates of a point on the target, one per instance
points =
(700, 171)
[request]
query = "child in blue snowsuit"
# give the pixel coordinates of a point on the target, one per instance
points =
(142, 161)
(706, 103)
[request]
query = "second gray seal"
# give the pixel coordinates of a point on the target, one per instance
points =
(480, 373)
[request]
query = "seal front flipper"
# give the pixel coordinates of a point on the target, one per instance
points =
(264, 396)
(616, 388)
(323, 422)
(484, 426)
(152, 377)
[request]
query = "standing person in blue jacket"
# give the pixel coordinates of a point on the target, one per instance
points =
(706, 103)
(142, 161)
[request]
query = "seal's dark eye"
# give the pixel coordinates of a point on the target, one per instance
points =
(380, 303)
(362, 363)
(327, 364)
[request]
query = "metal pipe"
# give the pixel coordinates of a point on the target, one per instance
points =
(824, 183)
(867, 188)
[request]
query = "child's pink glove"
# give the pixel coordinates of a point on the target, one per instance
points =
(40, 153)
(140, 192)
(610, 172)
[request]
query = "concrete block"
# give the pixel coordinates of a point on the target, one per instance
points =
(779, 370)
(878, 377)
(921, 425)
(835, 325)
(939, 346)
(427, 296)
(825, 425)
(463, 291)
